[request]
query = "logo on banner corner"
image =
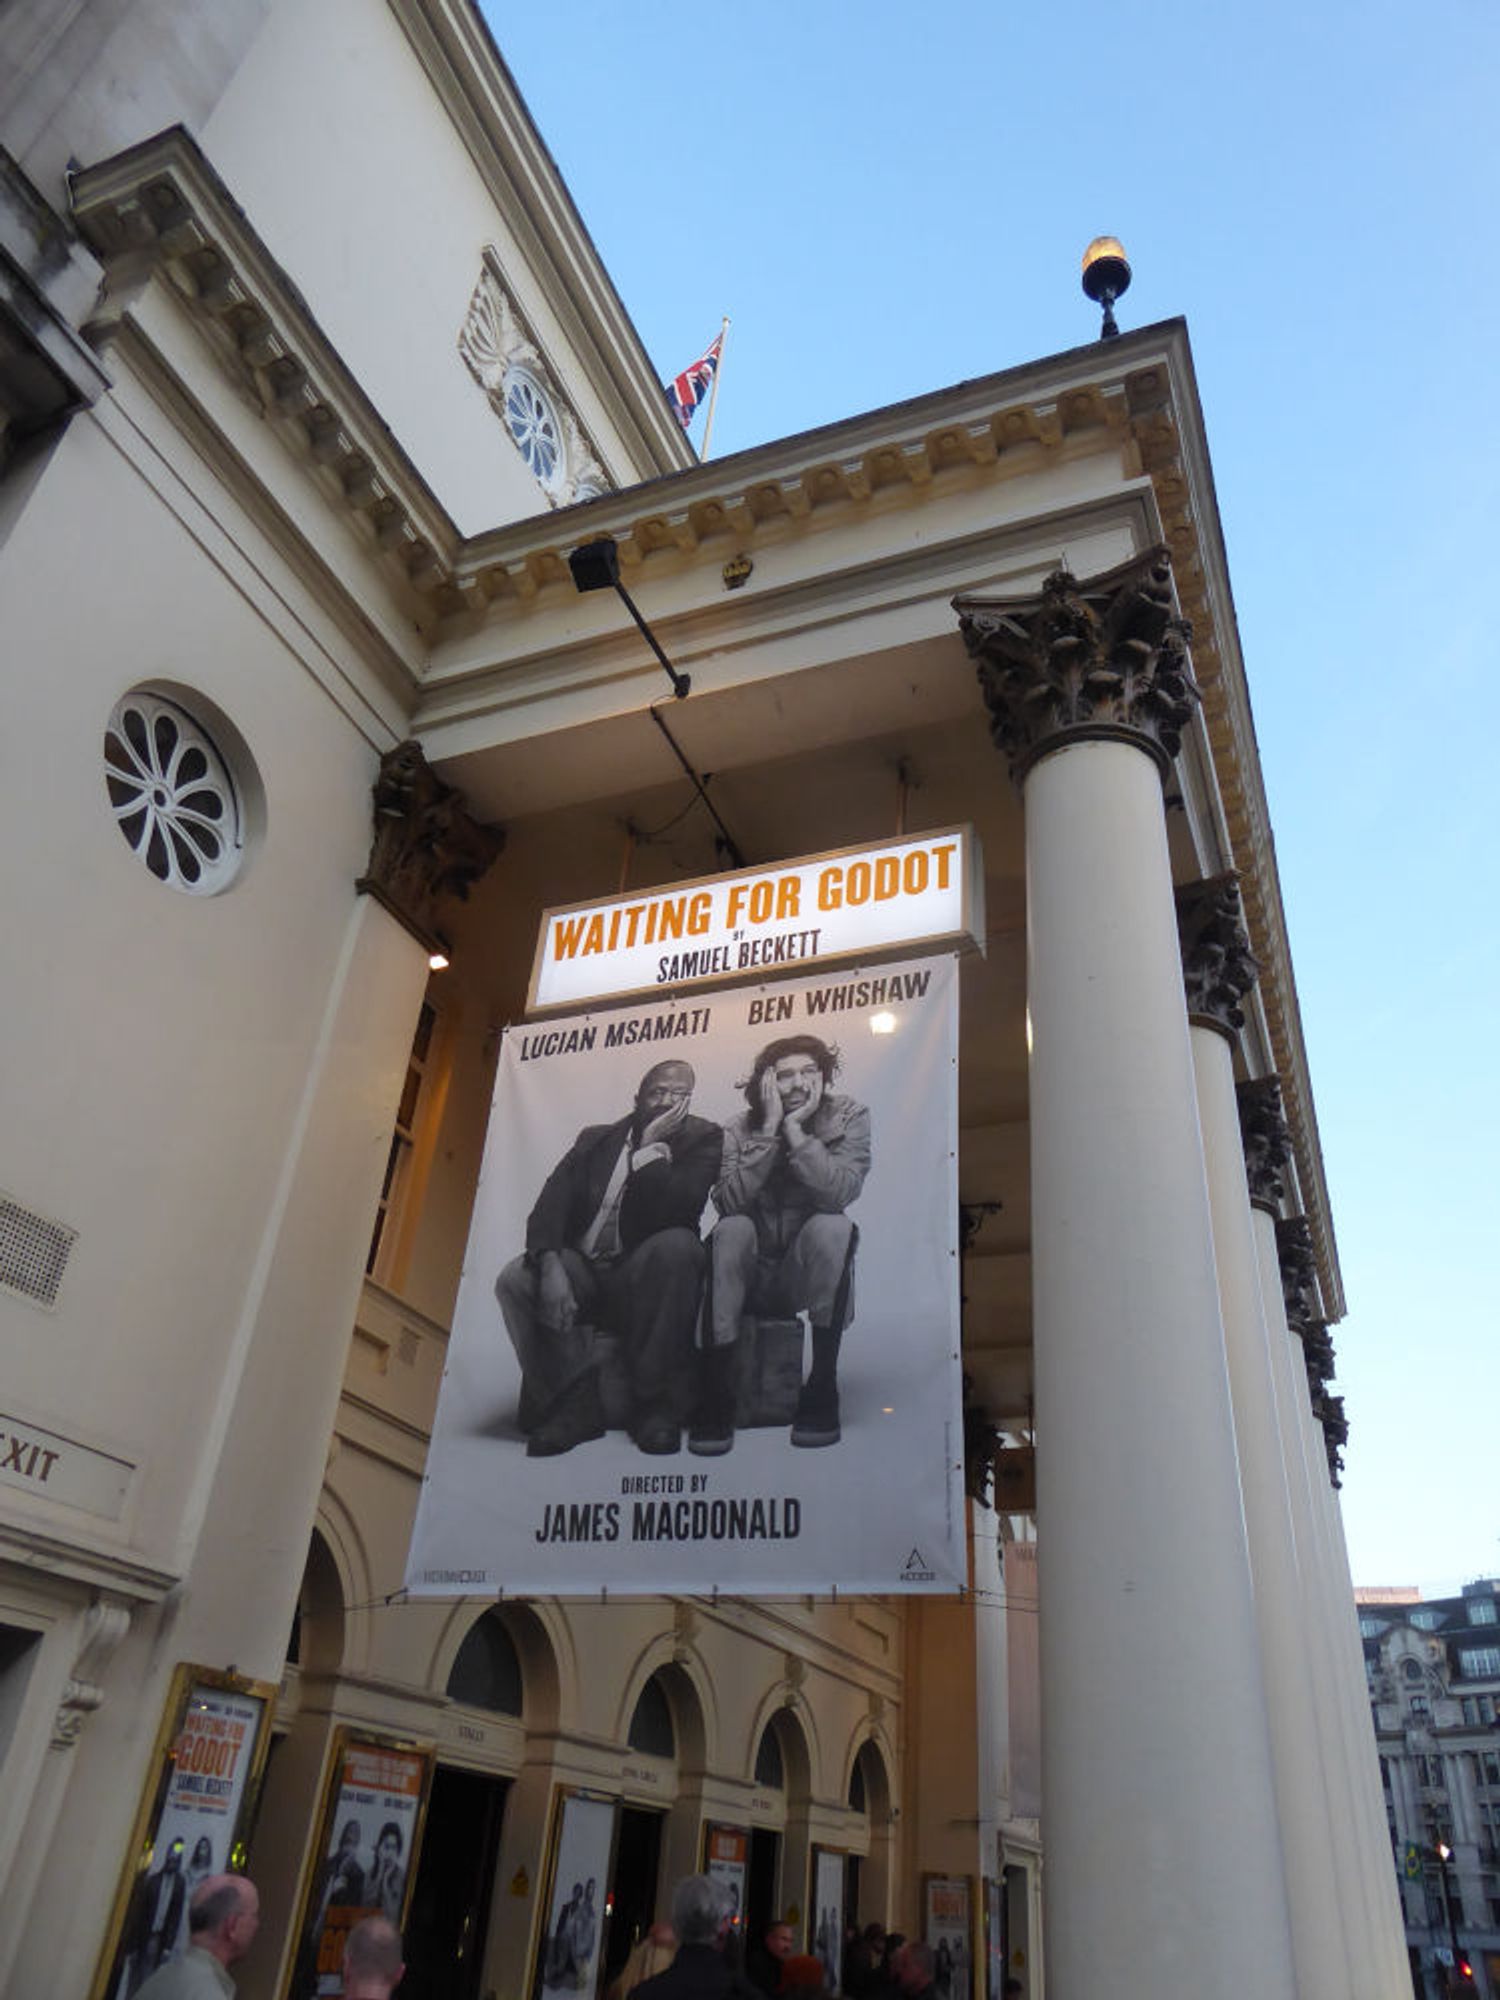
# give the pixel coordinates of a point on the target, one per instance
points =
(916, 1569)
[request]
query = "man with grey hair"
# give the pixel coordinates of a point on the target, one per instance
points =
(223, 1918)
(702, 1916)
(372, 1960)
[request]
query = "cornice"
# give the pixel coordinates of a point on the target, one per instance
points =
(161, 210)
(480, 96)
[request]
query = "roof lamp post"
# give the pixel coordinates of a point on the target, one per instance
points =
(596, 566)
(1106, 276)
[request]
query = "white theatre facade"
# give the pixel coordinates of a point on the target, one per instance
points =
(312, 382)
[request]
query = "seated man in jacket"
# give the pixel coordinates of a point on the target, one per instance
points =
(613, 1242)
(794, 1160)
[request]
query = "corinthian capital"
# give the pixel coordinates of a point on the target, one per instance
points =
(1299, 1271)
(426, 847)
(1102, 658)
(1217, 967)
(1266, 1140)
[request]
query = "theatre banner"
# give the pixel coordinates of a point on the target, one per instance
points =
(707, 1333)
(920, 892)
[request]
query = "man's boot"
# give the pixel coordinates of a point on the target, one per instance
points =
(817, 1419)
(711, 1431)
(575, 1416)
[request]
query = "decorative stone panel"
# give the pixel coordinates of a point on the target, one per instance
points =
(507, 363)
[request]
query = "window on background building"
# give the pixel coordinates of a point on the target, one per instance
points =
(396, 1184)
(1480, 1663)
(1482, 1611)
(1470, 1709)
(1489, 1766)
(1426, 1621)
(1385, 1773)
(1418, 1705)
(1370, 1628)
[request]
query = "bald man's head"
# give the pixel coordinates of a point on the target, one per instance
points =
(372, 1959)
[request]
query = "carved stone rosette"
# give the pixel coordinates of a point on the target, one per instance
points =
(1266, 1140)
(426, 847)
(1102, 658)
(1218, 968)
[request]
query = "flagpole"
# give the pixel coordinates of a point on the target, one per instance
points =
(713, 394)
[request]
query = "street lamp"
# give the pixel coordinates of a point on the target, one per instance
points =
(1106, 274)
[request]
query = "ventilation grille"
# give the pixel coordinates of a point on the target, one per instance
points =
(33, 1252)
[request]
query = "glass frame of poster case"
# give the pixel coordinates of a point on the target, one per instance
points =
(194, 1690)
(336, 1811)
(931, 1884)
(549, 1909)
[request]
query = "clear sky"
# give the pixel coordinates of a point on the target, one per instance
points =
(891, 199)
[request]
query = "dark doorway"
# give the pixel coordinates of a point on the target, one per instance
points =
(762, 1908)
(852, 1912)
(632, 1895)
(450, 1902)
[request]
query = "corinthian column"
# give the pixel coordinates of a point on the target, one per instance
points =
(1164, 1869)
(1218, 971)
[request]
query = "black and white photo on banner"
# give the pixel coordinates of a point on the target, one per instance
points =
(710, 1301)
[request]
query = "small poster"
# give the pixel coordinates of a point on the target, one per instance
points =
(729, 1863)
(213, 1747)
(828, 1915)
(569, 1955)
(948, 1930)
(366, 1853)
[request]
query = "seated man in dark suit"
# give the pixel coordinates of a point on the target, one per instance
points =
(613, 1242)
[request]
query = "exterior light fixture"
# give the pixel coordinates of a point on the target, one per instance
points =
(596, 566)
(439, 958)
(1106, 277)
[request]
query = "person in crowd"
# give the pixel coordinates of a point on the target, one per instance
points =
(613, 1243)
(915, 1967)
(804, 1976)
(223, 1918)
(765, 1958)
(701, 1917)
(649, 1955)
(794, 1160)
(372, 1960)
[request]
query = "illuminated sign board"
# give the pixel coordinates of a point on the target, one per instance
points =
(917, 893)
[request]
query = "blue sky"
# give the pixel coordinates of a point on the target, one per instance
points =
(889, 200)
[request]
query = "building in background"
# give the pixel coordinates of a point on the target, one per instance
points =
(311, 382)
(1433, 1666)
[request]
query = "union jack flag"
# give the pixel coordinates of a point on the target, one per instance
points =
(687, 390)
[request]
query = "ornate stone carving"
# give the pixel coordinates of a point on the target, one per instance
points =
(1218, 969)
(426, 847)
(104, 1626)
(1266, 1140)
(1102, 658)
(1299, 1271)
(500, 353)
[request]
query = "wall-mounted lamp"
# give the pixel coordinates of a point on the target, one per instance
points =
(596, 566)
(1106, 277)
(440, 957)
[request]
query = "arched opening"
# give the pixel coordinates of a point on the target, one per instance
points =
(651, 1729)
(315, 1643)
(486, 1671)
(870, 1834)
